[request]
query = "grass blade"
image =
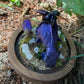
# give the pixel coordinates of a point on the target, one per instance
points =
(74, 57)
(34, 19)
(4, 5)
(78, 43)
(77, 31)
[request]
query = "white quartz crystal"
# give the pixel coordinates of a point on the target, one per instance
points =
(26, 51)
(61, 56)
(8, 73)
(59, 33)
(34, 30)
(60, 46)
(32, 41)
(64, 39)
(36, 49)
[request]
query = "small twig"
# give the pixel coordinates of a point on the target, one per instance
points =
(3, 13)
(22, 1)
(74, 80)
(32, 15)
(77, 31)
(25, 11)
(12, 81)
(3, 47)
(29, 16)
(61, 18)
(2, 62)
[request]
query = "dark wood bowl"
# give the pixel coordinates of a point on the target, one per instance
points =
(39, 78)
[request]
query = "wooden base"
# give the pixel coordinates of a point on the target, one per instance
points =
(39, 78)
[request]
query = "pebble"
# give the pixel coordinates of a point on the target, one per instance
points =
(26, 51)
(61, 56)
(32, 41)
(59, 33)
(1, 75)
(4, 59)
(61, 46)
(24, 82)
(34, 30)
(8, 73)
(36, 49)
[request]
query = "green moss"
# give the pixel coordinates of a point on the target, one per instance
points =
(61, 36)
(27, 39)
(21, 51)
(38, 56)
(35, 25)
(21, 42)
(41, 47)
(33, 67)
(23, 55)
(20, 47)
(23, 33)
(41, 50)
(57, 45)
(58, 63)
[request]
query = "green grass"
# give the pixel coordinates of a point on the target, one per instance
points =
(5, 5)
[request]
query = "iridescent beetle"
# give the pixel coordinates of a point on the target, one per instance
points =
(47, 33)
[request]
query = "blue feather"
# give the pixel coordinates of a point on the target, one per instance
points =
(27, 25)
